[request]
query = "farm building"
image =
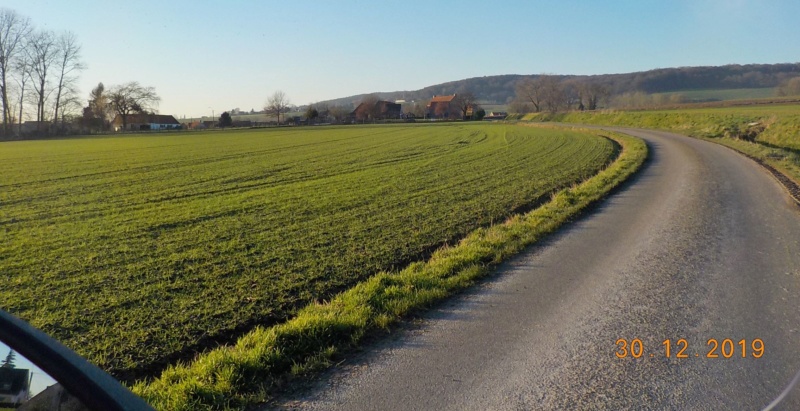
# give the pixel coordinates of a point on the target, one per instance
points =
(387, 109)
(381, 110)
(442, 107)
(136, 122)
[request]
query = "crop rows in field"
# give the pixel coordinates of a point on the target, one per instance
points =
(136, 251)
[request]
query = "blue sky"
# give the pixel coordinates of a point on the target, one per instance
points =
(203, 56)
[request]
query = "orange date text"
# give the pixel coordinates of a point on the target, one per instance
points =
(680, 348)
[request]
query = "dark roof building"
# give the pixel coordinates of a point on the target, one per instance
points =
(381, 110)
(136, 122)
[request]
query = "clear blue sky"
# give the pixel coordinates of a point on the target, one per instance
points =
(203, 56)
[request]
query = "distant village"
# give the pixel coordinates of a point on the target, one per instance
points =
(370, 110)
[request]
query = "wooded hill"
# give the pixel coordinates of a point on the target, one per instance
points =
(501, 89)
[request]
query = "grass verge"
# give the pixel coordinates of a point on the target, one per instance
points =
(234, 377)
(770, 134)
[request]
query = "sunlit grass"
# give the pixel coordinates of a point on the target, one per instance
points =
(777, 145)
(137, 251)
(240, 375)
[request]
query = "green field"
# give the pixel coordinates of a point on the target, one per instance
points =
(137, 251)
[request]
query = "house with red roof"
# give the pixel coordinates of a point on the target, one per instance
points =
(442, 107)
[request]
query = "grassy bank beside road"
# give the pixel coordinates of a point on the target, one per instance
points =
(142, 250)
(241, 375)
(769, 133)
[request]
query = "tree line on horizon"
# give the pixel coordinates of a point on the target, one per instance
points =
(503, 89)
(40, 69)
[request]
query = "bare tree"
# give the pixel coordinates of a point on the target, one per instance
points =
(131, 98)
(42, 51)
(592, 93)
(418, 109)
(22, 70)
(338, 113)
(553, 96)
(571, 95)
(519, 106)
(277, 104)
(465, 102)
(68, 64)
(530, 90)
(70, 107)
(14, 29)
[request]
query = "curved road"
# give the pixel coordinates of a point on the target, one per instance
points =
(702, 244)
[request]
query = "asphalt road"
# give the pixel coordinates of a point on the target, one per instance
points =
(702, 244)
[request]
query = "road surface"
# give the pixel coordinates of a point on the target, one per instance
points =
(702, 244)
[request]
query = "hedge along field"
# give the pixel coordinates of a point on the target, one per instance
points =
(139, 251)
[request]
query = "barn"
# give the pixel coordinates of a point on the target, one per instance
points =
(137, 122)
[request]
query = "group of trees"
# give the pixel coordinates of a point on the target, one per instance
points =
(554, 93)
(790, 87)
(326, 112)
(39, 72)
(121, 100)
(38, 68)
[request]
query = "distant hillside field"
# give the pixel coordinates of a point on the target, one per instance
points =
(137, 251)
(770, 133)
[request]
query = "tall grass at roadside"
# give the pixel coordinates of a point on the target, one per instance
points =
(240, 375)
